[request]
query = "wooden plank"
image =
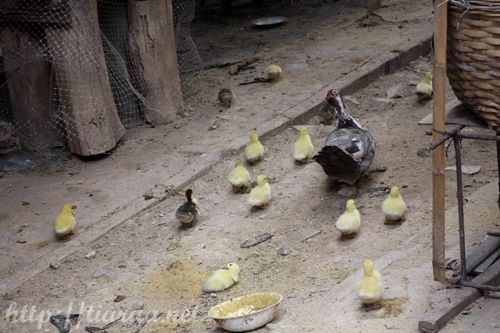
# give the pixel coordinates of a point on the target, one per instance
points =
(456, 114)
(438, 154)
(29, 84)
(487, 246)
(486, 263)
(490, 277)
(85, 100)
(445, 304)
(152, 55)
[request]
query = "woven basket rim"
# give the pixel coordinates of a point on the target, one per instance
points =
(476, 7)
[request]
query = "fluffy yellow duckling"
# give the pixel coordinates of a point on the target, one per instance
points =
(254, 151)
(273, 72)
(303, 147)
(222, 279)
(260, 195)
(349, 222)
(393, 206)
(370, 288)
(239, 177)
(65, 222)
(424, 88)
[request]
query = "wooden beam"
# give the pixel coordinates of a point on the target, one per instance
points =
(152, 53)
(487, 262)
(446, 304)
(29, 84)
(487, 246)
(85, 101)
(438, 154)
(490, 277)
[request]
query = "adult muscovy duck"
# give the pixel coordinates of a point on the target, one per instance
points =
(349, 149)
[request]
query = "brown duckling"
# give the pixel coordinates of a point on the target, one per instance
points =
(187, 212)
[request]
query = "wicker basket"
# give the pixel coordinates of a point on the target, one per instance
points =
(473, 60)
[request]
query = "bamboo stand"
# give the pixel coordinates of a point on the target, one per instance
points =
(438, 154)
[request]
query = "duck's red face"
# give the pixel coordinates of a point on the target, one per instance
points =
(332, 95)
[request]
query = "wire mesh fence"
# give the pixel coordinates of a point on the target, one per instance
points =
(76, 73)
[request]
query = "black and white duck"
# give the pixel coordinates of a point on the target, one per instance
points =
(349, 149)
(187, 212)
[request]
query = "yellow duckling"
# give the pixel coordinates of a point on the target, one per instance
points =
(260, 195)
(424, 88)
(273, 72)
(370, 288)
(393, 206)
(239, 177)
(65, 222)
(349, 222)
(303, 147)
(254, 151)
(222, 279)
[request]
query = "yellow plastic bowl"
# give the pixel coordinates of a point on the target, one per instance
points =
(246, 313)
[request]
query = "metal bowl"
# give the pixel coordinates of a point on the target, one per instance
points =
(268, 22)
(246, 313)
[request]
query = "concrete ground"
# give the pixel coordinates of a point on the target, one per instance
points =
(143, 261)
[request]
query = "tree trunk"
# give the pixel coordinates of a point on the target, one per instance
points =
(29, 86)
(84, 92)
(152, 55)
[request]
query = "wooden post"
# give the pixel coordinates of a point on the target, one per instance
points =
(438, 154)
(113, 20)
(29, 86)
(152, 55)
(84, 93)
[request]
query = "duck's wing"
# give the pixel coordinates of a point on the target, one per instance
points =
(186, 212)
(368, 152)
(347, 154)
(356, 142)
(336, 161)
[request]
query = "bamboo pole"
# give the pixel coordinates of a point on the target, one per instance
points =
(438, 154)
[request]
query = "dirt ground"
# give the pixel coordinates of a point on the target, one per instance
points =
(321, 46)
(156, 265)
(148, 263)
